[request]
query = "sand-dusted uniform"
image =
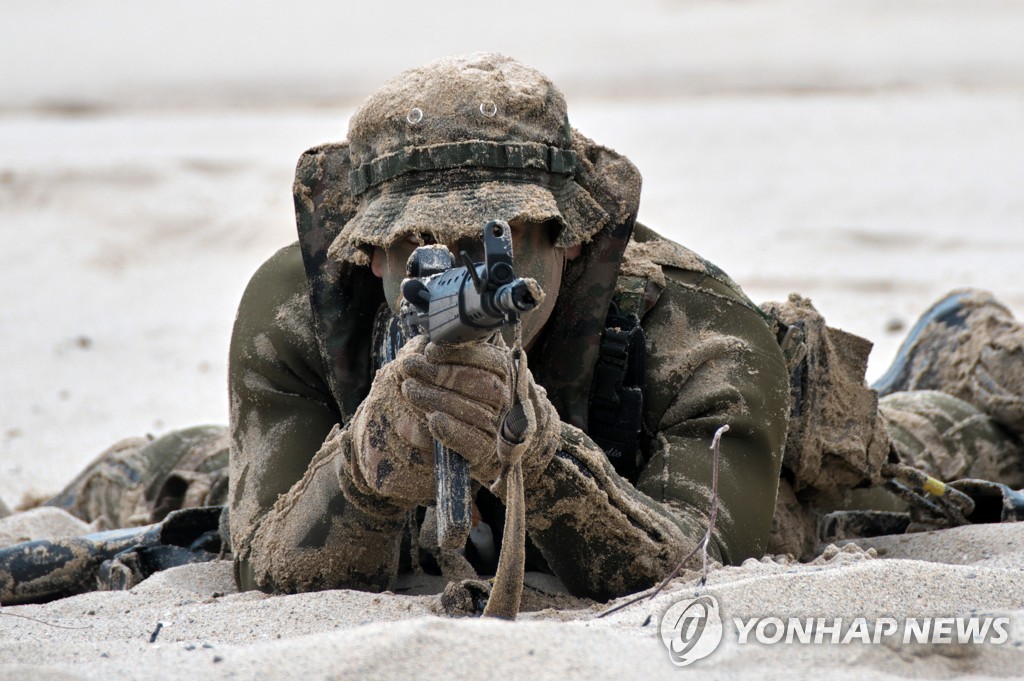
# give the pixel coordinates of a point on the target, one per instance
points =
(647, 350)
(301, 364)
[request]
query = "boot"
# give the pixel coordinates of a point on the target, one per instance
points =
(970, 346)
(951, 439)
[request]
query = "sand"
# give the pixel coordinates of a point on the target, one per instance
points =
(864, 153)
(204, 629)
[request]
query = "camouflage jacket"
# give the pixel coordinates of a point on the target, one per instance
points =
(300, 364)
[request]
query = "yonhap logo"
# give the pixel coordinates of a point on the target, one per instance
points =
(691, 629)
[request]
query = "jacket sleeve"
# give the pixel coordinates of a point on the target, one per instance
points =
(292, 528)
(711, 361)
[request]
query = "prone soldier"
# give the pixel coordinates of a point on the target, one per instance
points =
(638, 351)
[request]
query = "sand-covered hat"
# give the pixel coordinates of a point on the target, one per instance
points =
(441, 149)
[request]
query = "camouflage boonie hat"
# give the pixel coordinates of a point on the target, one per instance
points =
(441, 149)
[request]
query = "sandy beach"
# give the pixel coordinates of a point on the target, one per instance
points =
(866, 154)
(189, 622)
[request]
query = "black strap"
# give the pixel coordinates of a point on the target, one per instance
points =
(477, 154)
(616, 404)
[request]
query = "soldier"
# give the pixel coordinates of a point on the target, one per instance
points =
(617, 489)
(640, 351)
(329, 458)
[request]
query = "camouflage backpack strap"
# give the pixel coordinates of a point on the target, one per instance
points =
(563, 359)
(616, 400)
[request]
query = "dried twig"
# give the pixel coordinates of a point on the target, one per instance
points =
(701, 546)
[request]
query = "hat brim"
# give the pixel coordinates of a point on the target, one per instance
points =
(446, 213)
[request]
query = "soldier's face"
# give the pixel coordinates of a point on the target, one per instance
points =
(534, 255)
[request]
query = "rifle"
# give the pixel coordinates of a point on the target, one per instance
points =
(47, 569)
(460, 305)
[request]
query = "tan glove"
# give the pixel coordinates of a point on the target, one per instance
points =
(392, 450)
(483, 403)
(466, 397)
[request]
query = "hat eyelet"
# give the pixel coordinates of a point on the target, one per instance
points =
(415, 115)
(488, 109)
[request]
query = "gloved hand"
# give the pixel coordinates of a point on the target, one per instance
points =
(481, 401)
(392, 452)
(466, 397)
